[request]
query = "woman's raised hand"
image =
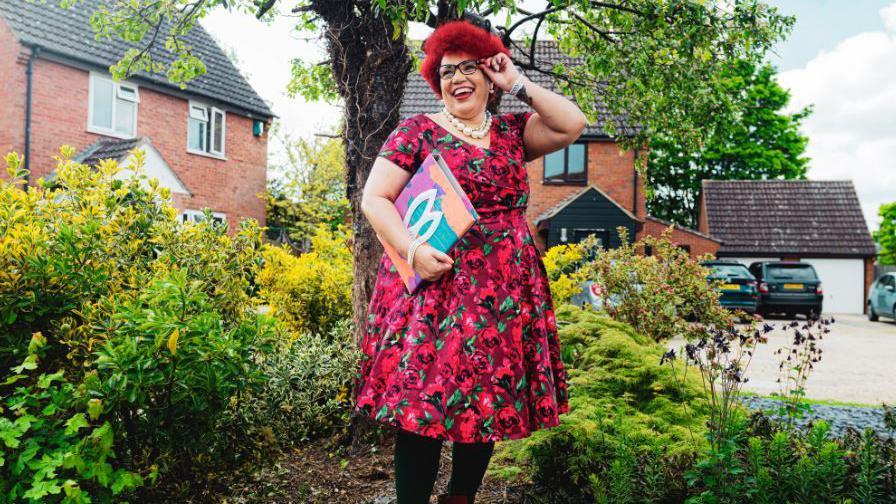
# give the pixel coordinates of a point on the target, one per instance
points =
(501, 70)
(430, 262)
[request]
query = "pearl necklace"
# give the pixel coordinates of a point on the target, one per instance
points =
(479, 132)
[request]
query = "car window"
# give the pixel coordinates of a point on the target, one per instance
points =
(788, 272)
(731, 270)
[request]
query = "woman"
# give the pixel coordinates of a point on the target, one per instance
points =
(473, 356)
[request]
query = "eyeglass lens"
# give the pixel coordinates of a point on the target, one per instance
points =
(466, 67)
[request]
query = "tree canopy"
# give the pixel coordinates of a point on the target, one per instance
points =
(760, 143)
(659, 62)
(886, 234)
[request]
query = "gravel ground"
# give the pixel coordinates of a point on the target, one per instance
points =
(839, 417)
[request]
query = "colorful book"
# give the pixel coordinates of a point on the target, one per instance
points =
(432, 204)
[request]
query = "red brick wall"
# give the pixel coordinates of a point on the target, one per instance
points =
(609, 168)
(869, 278)
(12, 94)
(698, 244)
(232, 186)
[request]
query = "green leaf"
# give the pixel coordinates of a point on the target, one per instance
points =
(29, 363)
(46, 379)
(74, 423)
(94, 408)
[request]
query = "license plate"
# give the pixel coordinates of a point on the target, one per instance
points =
(730, 287)
(793, 286)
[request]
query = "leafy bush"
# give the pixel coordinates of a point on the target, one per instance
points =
(306, 395)
(767, 463)
(169, 368)
(563, 262)
(631, 423)
(53, 442)
(662, 295)
(155, 320)
(311, 292)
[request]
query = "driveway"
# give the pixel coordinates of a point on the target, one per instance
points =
(858, 361)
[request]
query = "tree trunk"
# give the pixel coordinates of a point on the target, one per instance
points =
(370, 68)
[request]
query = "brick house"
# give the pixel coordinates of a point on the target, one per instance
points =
(207, 143)
(590, 187)
(815, 221)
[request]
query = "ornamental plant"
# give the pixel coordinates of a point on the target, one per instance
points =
(55, 444)
(155, 321)
(563, 265)
(310, 292)
(662, 295)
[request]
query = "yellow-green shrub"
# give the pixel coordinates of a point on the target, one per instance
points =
(630, 419)
(310, 292)
(154, 320)
(562, 264)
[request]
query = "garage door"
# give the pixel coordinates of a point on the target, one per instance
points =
(843, 281)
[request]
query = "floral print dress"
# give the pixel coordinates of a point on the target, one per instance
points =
(474, 355)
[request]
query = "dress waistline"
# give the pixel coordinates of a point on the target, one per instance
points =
(493, 215)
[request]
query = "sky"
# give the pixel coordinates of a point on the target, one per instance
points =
(840, 56)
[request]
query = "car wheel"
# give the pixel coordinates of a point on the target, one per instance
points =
(814, 313)
(871, 315)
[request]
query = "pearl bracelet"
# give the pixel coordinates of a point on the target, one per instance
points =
(412, 248)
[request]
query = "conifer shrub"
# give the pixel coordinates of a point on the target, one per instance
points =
(633, 427)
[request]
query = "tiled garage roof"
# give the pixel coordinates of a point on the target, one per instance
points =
(804, 217)
(67, 32)
(419, 98)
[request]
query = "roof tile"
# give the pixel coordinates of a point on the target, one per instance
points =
(67, 32)
(787, 217)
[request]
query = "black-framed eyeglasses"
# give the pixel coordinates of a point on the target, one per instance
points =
(467, 67)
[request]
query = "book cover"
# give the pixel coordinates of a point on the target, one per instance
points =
(434, 205)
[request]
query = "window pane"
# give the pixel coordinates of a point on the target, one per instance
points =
(124, 116)
(576, 159)
(553, 164)
(196, 135)
(102, 103)
(218, 133)
(127, 92)
(198, 113)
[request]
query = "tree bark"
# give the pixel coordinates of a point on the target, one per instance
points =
(370, 67)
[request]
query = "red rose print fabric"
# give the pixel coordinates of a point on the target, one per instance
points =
(473, 356)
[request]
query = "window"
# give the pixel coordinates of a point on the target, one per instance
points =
(567, 165)
(199, 216)
(112, 108)
(602, 236)
(206, 129)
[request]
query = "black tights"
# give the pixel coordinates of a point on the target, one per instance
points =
(417, 467)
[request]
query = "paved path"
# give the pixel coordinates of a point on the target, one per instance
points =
(858, 361)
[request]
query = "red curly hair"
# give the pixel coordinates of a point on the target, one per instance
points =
(456, 36)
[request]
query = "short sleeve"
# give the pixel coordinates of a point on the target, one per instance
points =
(402, 146)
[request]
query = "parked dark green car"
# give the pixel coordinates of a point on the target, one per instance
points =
(737, 286)
(788, 287)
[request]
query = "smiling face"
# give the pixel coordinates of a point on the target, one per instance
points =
(466, 96)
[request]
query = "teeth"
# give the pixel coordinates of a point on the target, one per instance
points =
(462, 90)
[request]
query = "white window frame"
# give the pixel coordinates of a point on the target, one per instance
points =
(193, 215)
(210, 112)
(116, 91)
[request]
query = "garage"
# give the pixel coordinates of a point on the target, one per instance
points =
(842, 280)
(815, 221)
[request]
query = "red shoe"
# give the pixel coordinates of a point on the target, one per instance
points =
(454, 499)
